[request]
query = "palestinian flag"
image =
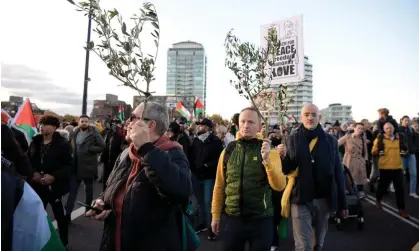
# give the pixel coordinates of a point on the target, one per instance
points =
(198, 107)
(32, 228)
(25, 121)
(121, 114)
(183, 111)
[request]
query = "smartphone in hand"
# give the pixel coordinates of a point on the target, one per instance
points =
(98, 210)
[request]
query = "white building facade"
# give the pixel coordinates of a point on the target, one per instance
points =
(339, 112)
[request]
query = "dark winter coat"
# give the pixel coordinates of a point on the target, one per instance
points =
(57, 162)
(150, 211)
(326, 178)
(204, 157)
(86, 156)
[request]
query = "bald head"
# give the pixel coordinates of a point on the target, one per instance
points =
(309, 107)
(310, 116)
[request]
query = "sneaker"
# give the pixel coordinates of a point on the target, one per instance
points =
(211, 236)
(201, 228)
(414, 195)
(403, 213)
(273, 248)
(378, 204)
(362, 195)
(391, 189)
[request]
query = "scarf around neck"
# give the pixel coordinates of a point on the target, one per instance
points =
(311, 173)
(163, 143)
(204, 136)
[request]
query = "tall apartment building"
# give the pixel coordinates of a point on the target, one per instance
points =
(342, 113)
(187, 73)
(301, 93)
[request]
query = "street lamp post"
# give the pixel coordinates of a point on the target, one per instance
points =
(86, 67)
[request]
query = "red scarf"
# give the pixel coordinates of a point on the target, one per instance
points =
(163, 143)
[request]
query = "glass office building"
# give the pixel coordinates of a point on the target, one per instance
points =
(187, 72)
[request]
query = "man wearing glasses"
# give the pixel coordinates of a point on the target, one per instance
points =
(148, 183)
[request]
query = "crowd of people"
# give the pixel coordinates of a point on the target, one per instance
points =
(166, 182)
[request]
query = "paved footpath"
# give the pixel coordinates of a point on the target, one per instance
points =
(384, 231)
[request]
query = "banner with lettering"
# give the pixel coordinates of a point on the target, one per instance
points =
(289, 64)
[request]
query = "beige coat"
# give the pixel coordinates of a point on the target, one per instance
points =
(353, 157)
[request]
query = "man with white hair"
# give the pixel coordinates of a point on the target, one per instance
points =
(149, 182)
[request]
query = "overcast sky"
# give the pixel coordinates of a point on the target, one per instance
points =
(364, 53)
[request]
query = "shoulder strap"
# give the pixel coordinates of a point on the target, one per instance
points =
(227, 153)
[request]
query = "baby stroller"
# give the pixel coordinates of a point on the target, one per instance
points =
(353, 201)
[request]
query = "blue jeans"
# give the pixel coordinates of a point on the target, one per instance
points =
(409, 164)
(203, 191)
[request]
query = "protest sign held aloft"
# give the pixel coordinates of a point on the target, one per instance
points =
(289, 64)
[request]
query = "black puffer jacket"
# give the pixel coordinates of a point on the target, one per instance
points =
(150, 211)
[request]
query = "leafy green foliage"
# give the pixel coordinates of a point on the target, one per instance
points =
(120, 48)
(252, 66)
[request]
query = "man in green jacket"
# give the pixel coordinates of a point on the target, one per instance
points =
(247, 171)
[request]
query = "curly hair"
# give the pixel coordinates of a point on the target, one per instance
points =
(50, 120)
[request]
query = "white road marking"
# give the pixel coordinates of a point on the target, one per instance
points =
(74, 215)
(385, 209)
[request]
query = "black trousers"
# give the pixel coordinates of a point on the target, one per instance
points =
(276, 202)
(58, 210)
(257, 232)
(395, 176)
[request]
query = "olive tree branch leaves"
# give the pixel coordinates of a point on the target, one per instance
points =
(251, 65)
(121, 48)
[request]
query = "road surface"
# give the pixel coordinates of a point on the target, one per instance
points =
(384, 230)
